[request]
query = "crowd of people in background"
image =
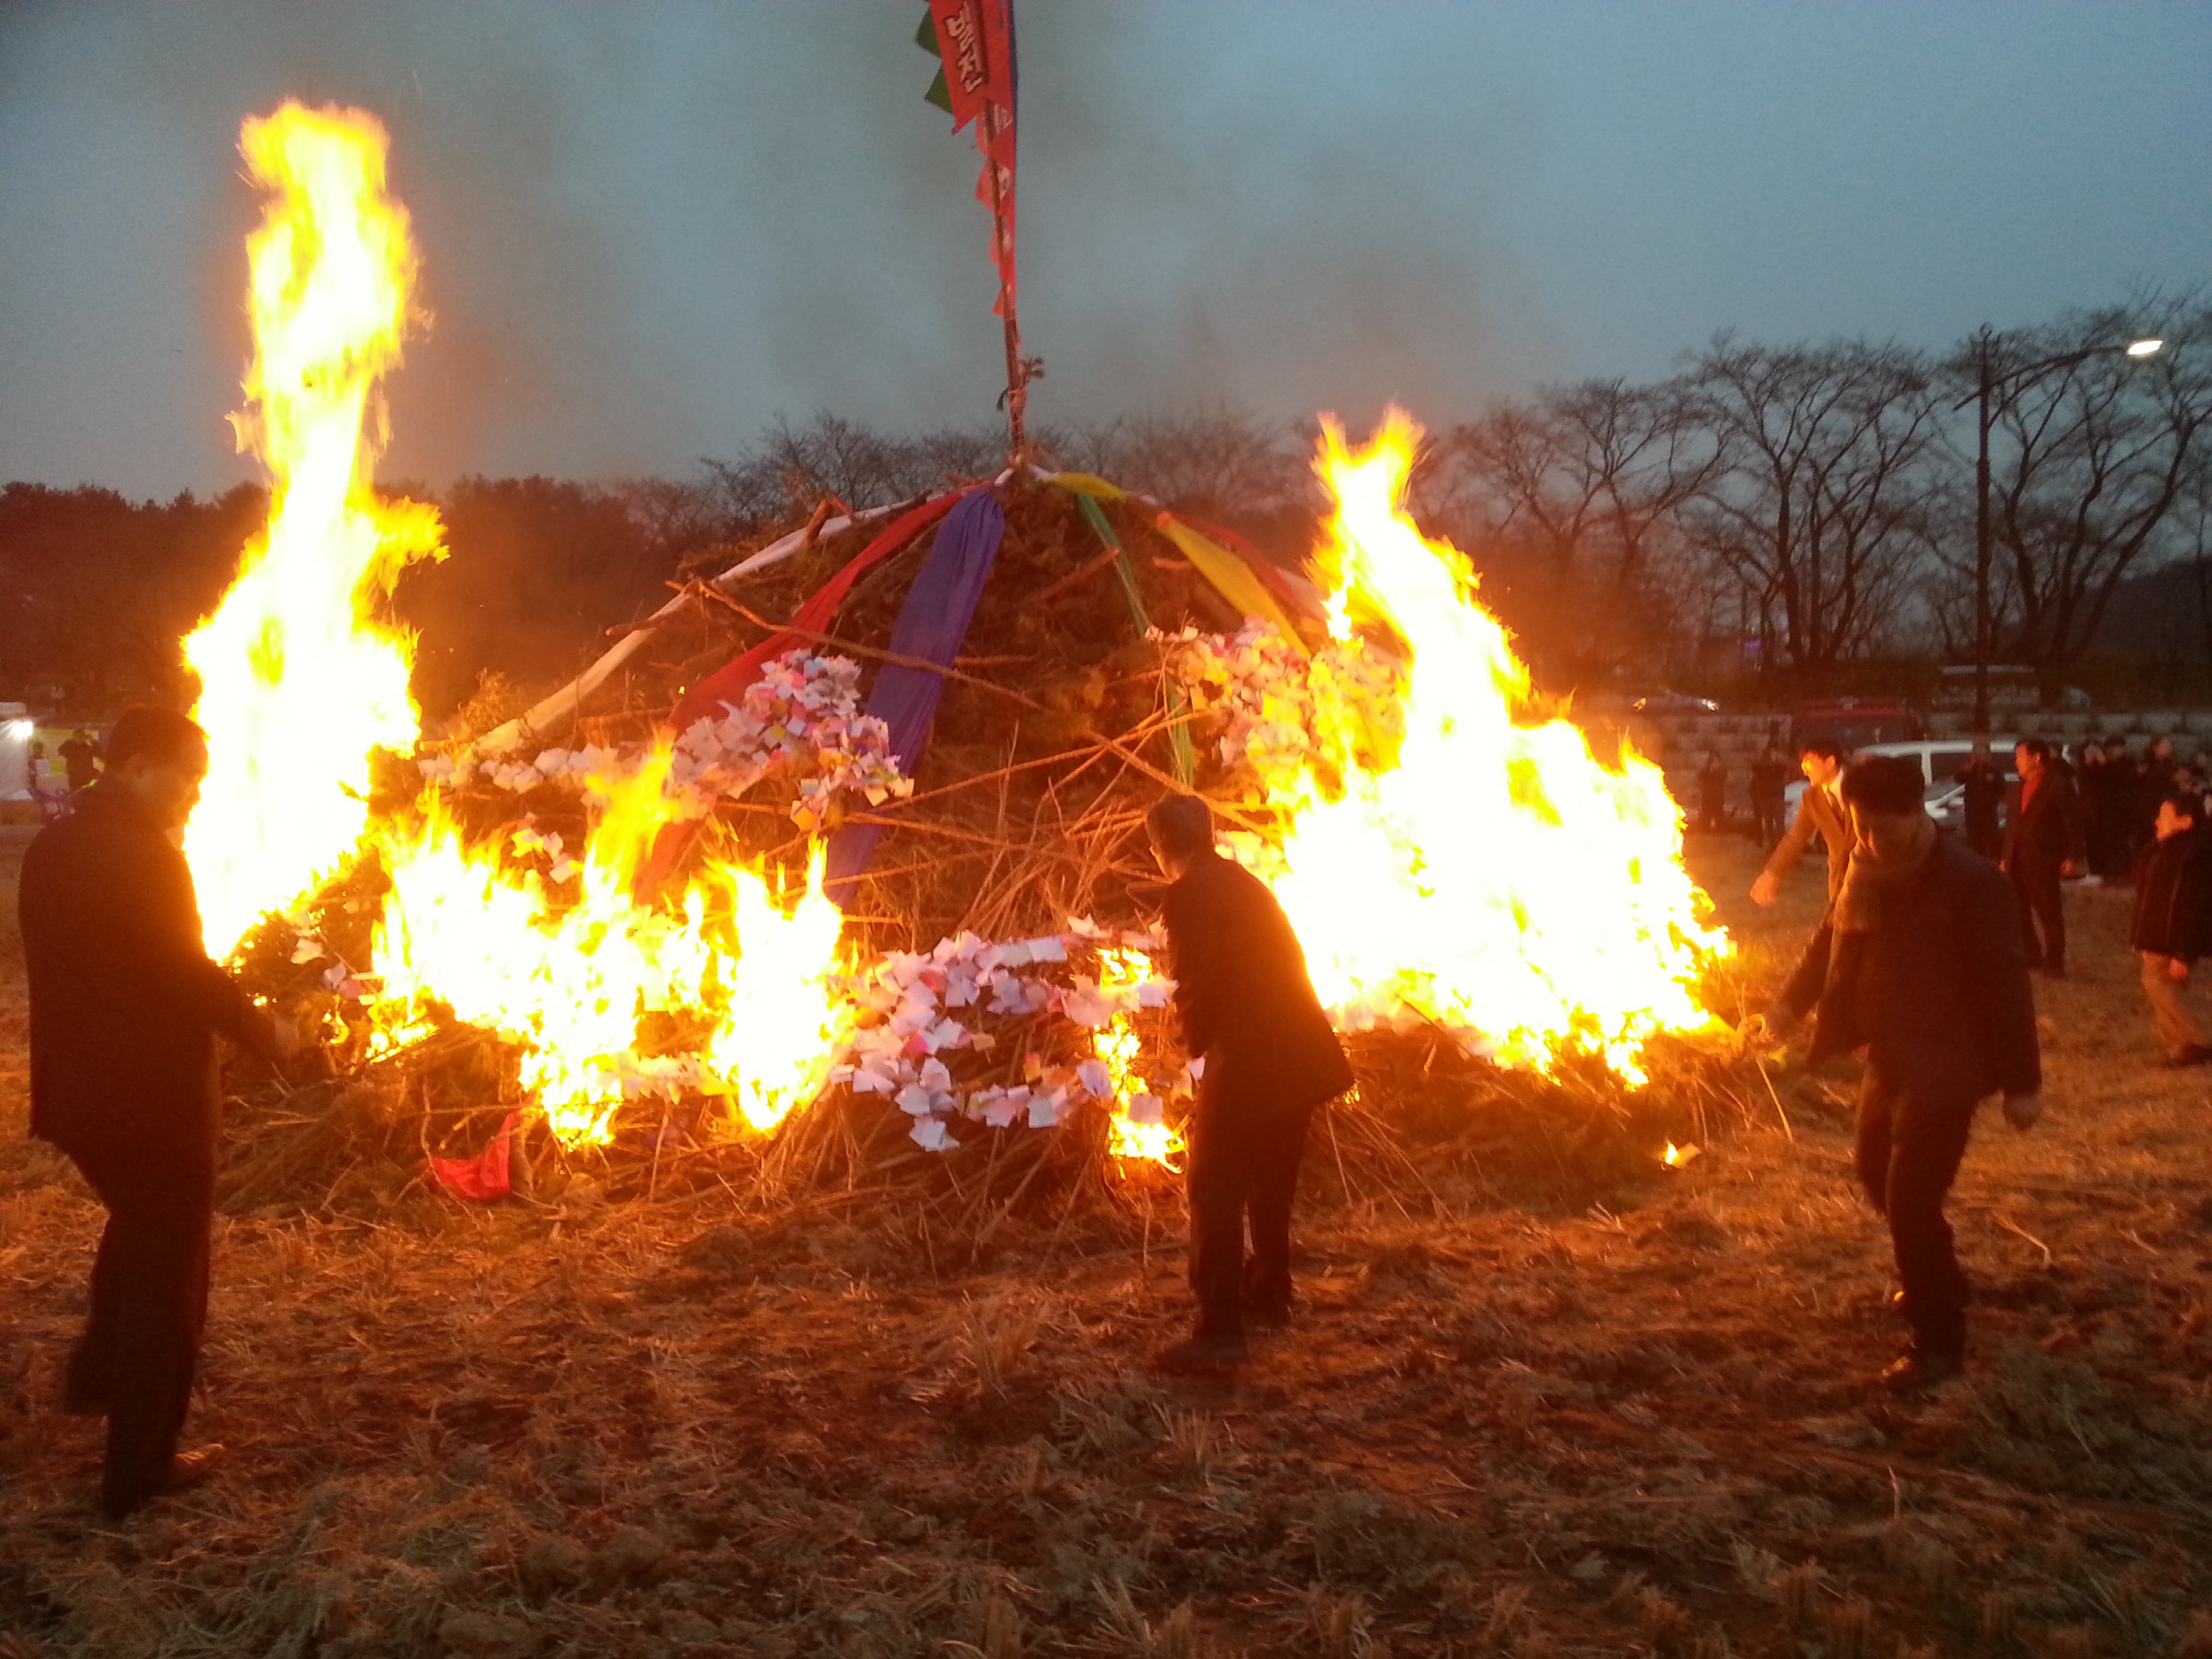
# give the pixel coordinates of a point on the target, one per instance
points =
(54, 789)
(2099, 816)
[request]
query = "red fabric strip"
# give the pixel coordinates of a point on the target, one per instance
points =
(727, 684)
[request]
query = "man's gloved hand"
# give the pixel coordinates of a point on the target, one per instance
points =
(2021, 1111)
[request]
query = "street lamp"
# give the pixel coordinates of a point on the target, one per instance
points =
(2012, 380)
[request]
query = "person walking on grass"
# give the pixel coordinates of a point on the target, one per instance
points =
(1770, 778)
(2042, 845)
(1267, 1059)
(124, 1010)
(2172, 926)
(1819, 812)
(1928, 978)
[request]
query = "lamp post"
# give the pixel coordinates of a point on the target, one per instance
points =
(1987, 382)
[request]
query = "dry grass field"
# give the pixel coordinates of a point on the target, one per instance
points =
(1642, 1427)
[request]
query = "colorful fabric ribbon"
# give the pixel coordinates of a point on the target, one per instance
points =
(1179, 733)
(727, 684)
(931, 626)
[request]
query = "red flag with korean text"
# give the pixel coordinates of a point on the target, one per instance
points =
(975, 39)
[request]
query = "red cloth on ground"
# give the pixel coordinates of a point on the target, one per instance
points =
(488, 1174)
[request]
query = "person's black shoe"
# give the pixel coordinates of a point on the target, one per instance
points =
(2196, 1054)
(1267, 1316)
(1918, 1371)
(2056, 970)
(83, 1405)
(1202, 1353)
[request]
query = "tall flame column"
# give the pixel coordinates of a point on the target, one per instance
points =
(297, 684)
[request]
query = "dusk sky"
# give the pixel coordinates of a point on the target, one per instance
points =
(647, 230)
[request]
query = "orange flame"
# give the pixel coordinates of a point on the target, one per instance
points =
(1134, 1123)
(1490, 875)
(298, 684)
(569, 982)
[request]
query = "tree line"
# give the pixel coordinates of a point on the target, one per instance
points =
(1779, 514)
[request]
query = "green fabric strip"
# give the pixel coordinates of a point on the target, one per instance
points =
(1179, 732)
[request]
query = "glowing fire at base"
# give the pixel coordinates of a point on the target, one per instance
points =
(297, 684)
(1135, 1123)
(1493, 876)
(569, 982)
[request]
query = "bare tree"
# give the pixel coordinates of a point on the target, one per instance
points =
(2091, 466)
(1196, 458)
(1820, 501)
(1570, 503)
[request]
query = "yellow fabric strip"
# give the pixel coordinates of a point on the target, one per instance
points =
(1088, 484)
(1231, 577)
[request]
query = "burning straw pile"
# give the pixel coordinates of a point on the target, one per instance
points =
(828, 883)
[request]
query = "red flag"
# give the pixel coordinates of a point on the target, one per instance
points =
(975, 38)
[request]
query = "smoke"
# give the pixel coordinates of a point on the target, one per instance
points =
(648, 232)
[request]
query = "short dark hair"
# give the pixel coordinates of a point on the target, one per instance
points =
(2034, 745)
(152, 733)
(1828, 748)
(1889, 784)
(1182, 825)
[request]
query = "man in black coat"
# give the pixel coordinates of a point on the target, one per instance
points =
(2042, 844)
(1928, 977)
(1270, 1059)
(2172, 926)
(124, 1011)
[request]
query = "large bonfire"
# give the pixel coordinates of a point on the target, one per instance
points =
(1450, 860)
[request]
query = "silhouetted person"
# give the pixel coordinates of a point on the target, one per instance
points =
(1928, 978)
(2042, 845)
(80, 760)
(2154, 783)
(1713, 794)
(1769, 779)
(1270, 1058)
(124, 1011)
(1983, 802)
(2171, 927)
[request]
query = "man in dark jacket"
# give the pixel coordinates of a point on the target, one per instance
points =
(1769, 779)
(1270, 1059)
(124, 1011)
(1981, 787)
(1927, 976)
(2173, 924)
(2042, 844)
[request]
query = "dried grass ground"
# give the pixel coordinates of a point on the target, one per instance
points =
(1642, 1428)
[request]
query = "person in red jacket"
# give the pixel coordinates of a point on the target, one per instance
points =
(1270, 1059)
(2042, 844)
(124, 1011)
(2172, 926)
(1928, 976)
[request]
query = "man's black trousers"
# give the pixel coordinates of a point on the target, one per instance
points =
(1908, 1156)
(1243, 1170)
(2035, 887)
(141, 1344)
